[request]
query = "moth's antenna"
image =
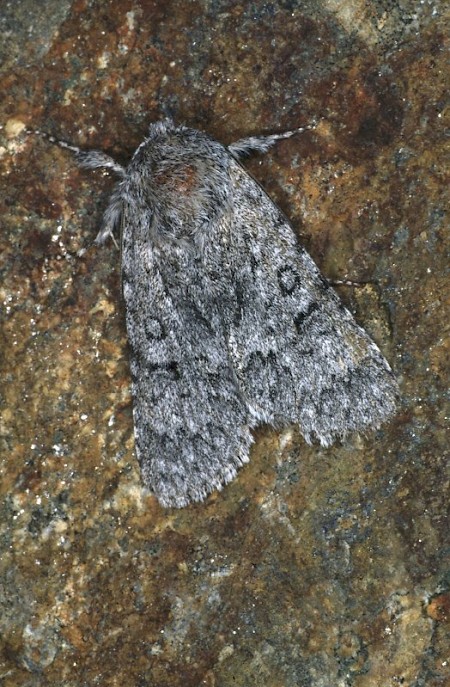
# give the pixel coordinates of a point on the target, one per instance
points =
(90, 159)
(261, 144)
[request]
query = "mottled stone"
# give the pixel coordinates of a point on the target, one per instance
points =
(315, 567)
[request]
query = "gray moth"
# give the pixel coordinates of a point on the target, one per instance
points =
(229, 321)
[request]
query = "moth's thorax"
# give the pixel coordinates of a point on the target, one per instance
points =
(185, 176)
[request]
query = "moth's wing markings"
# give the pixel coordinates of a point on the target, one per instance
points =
(297, 351)
(191, 422)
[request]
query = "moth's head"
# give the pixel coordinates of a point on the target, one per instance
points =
(182, 175)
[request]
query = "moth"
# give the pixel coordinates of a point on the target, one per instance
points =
(230, 323)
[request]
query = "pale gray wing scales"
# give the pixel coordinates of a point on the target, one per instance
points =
(298, 353)
(191, 422)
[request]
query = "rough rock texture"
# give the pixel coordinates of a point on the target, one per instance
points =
(314, 567)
